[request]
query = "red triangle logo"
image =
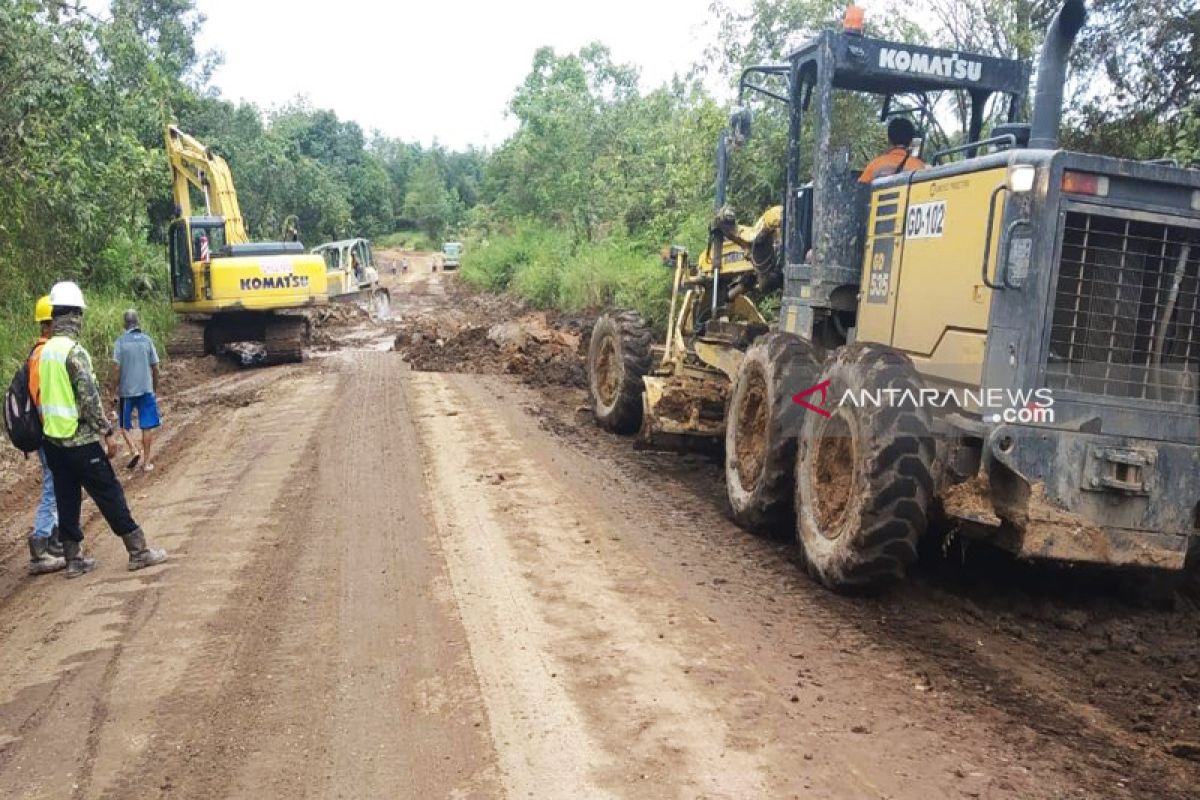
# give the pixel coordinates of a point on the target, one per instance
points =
(823, 388)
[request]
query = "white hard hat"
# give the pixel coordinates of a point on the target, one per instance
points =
(66, 294)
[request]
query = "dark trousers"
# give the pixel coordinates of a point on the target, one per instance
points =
(86, 467)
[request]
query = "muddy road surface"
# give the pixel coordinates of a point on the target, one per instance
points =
(388, 582)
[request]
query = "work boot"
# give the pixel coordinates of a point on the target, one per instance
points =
(76, 563)
(54, 547)
(140, 555)
(41, 561)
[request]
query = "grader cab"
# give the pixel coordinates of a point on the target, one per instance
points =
(1009, 338)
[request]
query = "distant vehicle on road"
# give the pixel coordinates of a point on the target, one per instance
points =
(451, 254)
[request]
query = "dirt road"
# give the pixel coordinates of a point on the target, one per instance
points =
(389, 583)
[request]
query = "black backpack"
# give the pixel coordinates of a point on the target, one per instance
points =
(21, 418)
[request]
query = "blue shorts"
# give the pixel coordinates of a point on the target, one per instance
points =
(147, 412)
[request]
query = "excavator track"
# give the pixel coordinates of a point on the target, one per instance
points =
(187, 340)
(285, 339)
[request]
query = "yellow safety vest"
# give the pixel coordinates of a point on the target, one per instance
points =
(60, 414)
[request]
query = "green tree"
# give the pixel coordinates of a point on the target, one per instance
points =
(371, 196)
(1134, 82)
(427, 201)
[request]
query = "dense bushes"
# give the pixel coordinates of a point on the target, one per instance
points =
(549, 268)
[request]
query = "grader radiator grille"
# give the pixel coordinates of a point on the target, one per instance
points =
(1126, 313)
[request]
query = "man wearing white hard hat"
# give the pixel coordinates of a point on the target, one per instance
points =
(74, 425)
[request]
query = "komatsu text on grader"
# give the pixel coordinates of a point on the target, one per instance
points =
(1010, 338)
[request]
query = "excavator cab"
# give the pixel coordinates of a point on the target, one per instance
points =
(193, 241)
(352, 275)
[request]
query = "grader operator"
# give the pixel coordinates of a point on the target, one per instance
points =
(1009, 338)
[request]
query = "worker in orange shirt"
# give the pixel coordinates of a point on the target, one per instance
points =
(45, 548)
(897, 159)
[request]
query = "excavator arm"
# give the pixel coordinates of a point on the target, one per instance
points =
(194, 165)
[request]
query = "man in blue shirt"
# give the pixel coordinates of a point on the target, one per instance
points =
(137, 385)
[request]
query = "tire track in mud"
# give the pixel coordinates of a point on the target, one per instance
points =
(1010, 677)
(560, 568)
(393, 685)
(121, 744)
(240, 570)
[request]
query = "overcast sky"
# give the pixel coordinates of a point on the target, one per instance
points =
(435, 68)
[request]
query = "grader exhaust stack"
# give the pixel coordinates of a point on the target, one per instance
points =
(1052, 74)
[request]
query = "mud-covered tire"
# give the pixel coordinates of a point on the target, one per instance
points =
(864, 475)
(761, 426)
(618, 359)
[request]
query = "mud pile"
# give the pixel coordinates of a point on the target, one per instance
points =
(489, 334)
(328, 322)
(468, 350)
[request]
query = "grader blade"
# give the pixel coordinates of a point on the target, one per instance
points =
(685, 412)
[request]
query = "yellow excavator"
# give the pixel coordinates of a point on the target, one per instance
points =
(231, 290)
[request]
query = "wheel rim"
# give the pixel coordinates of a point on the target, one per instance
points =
(833, 475)
(751, 430)
(608, 371)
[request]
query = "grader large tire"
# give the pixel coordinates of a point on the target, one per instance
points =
(864, 474)
(618, 359)
(761, 426)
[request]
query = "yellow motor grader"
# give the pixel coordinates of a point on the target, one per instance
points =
(1009, 338)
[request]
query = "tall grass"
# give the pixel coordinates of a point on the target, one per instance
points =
(128, 272)
(406, 240)
(103, 322)
(548, 269)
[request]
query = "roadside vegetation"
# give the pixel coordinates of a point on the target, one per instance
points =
(84, 186)
(571, 211)
(549, 268)
(602, 174)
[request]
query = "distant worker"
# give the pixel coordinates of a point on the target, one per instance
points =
(136, 374)
(45, 548)
(74, 423)
(898, 159)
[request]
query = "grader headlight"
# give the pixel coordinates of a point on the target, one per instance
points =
(1021, 178)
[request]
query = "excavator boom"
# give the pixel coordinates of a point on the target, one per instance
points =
(194, 165)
